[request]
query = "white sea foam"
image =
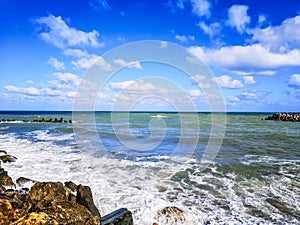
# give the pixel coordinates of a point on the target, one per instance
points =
(145, 187)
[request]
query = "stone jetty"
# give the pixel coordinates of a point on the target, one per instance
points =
(51, 203)
(42, 120)
(279, 116)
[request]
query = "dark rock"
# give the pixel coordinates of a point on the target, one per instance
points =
(22, 180)
(48, 191)
(2, 188)
(7, 158)
(71, 185)
(2, 151)
(85, 198)
(119, 217)
(5, 179)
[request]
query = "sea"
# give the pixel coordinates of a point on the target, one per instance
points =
(132, 160)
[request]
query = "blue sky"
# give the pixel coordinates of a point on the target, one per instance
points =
(252, 47)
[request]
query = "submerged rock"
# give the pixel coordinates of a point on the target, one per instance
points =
(171, 214)
(119, 217)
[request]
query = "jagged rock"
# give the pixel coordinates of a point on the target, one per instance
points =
(7, 213)
(71, 185)
(2, 188)
(66, 212)
(119, 217)
(48, 191)
(85, 198)
(23, 180)
(172, 213)
(7, 158)
(5, 179)
(36, 219)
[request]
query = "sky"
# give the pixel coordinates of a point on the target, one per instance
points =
(252, 48)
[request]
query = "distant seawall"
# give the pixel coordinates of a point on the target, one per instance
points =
(279, 116)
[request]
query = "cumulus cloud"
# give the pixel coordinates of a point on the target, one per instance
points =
(92, 60)
(211, 30)
(56, 64)
(282, 38)
(184, 38)
(294, 81)
(55, 31)
(227, 82)
(238, 17)
(132, 64)
(75, 53)
(26, 91)
(56, 84)
(249, 80)
(244, 57)
(67, 77)
(201, 7)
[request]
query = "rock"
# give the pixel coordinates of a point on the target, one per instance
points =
(22, 180)
(7, 158)
(66, 212)
(119, 217)
(2, 151)
(71, 185)
(85, 198)
(2, 188)
(7, 213)
(48, 191)
(6, 180)
(36, 219)
(172, 213)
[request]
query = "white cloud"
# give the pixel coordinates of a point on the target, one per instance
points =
(99, 4)
(85, 63)
(25, 91)
(247, 73)
(56, 32)
(195, 93)
(261, 19)
(52, 92)
(248, 95)
(249, 80)
(201, 7)
(238, 18)
(184, 38)
(56, 64)
(282, 38)
(163, 44)
(227, 82)
(294, 81)
(132, 64)
(199, 77)
(58, 85)
(75, 53)
(120, 85)
(244, 57)
(211, 30)
(67, 77)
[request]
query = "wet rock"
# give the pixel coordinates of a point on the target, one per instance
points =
(48, 191)
(2, 188)
(7, 213)
(172, 214)
(119, 217)
(23, 180)
(7, 158)
(71, 185)
(6, 180)
(84, 197)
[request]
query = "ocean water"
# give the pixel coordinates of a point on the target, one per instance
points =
(254, 179)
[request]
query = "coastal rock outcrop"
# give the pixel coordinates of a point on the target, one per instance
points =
(278, 116)
(52, 203)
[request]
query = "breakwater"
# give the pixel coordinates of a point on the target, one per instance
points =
(279, 116)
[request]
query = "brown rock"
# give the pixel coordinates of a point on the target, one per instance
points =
(6, 180)
(66, 212)
(85, 198)
(172, 214)
(71, 185)
(7, 158)
(48, 191)
(22, 180)
(7, 213)
(36, 219)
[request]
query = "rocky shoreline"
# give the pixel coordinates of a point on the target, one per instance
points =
(278, 116)
(51, 203)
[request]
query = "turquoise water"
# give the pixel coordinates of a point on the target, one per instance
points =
(254, 179)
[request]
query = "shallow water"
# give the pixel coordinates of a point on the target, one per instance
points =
(255, 178)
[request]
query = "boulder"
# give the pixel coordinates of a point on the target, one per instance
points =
(84, 197)
(6, 180)
(71, 185)
(48, 191)
(171, 214)
(23, 180)
(119, 217)
(7, 213)
(33, 218)
(7, 158)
